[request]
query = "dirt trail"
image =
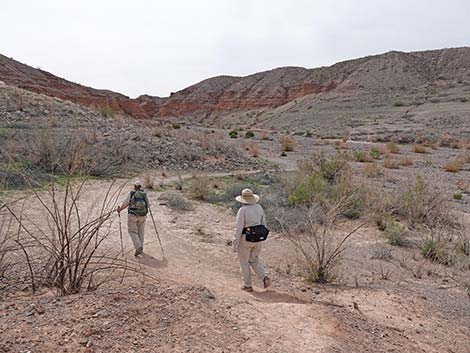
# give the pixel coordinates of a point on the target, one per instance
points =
(196, 253)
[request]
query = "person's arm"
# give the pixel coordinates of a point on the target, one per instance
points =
(239, 224)
(263, 218)
(124, 204)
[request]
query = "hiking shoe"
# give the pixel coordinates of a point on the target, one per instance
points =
(139, 251)
(247, 289)
(267, 282)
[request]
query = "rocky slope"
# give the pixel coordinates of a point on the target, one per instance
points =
(16, 74)
(385, 74)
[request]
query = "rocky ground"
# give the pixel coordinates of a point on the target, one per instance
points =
(196, 305)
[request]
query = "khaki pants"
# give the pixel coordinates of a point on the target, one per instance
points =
(136, 227)
(248, 255)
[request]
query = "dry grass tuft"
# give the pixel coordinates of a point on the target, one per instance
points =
(392, 148)
(373, 170)
(287, 143)
(453, 166)
(391, 163)
(419, 148)
(405, 161)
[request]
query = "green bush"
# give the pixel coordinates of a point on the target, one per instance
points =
(399, 104)
(233, 134)
(249, 134)
(457, 196)
(360, 156)
(435, 251)
(374, 153)
(176, 126)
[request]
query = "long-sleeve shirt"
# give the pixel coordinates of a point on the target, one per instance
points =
(248, 216)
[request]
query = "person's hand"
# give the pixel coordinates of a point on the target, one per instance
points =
(235, 245)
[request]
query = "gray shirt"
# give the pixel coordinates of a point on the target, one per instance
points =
(248, 216)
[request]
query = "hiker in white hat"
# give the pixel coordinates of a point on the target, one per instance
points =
(138, 207)
(250, 215)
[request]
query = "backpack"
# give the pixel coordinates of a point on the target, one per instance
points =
(138, 203)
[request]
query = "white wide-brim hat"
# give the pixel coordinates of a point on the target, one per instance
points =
(247, 197)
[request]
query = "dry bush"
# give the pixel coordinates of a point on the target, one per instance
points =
(373, 170)
(362, 156)
(175, 201)
(418, 148)
(391, 163)
(465, 157)
(265, 136)
(200, 187)
(392, 148)
(287, 143)
(405, 161)
(253, 148)
(148, 181)
(69, 251)
(320, 248)
(453, 166)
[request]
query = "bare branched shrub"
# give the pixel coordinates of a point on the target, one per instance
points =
(66, 246)
(319, 247)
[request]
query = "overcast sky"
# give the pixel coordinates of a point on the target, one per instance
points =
(157, 47)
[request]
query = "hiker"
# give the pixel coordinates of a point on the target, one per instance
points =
(138, 207)
(246, 244)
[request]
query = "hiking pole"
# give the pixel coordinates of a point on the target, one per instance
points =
(120, 234)
(156, 231)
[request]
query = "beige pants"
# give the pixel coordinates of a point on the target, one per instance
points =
(248, 255)
(136, 228)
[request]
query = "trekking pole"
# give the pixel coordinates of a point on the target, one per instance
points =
(120, 234)
(156, 231)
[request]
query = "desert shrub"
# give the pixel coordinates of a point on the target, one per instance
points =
(399, 104)
(176, 126)
(436, 251)
(175, 201)
(253, 148)
(457, 196)
(320, 248)
(453, 166)
(395, 233)
(71, 250)
(392, 148)
(200, 187)
(107, 111)
(375, 153)
(283, 154)
(418, 148)
(391, 163)
(361, 156)
(373, 170)
(287, 143)
(233, 134)
(405, 161)
(249, 134)
(329, 167)
(422, 203)
(148, 181)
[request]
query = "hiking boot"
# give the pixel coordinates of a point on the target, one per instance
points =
(139, 251)
(267, 282)
(247, 289)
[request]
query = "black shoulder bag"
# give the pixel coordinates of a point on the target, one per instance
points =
(256, 233)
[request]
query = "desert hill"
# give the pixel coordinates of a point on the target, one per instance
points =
(387, 75)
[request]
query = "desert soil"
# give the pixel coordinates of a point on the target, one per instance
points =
(195, 303)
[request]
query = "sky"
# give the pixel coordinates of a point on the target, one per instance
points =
(157, 47)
